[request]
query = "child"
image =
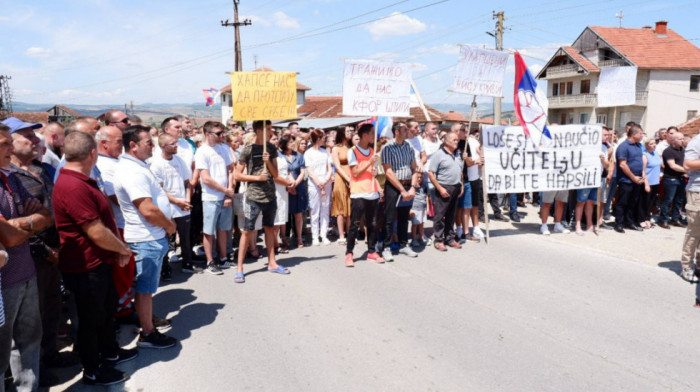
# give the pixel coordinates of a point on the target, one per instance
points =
(418, 213)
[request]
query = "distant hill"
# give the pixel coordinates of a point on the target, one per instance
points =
(483, 110)
(150, 113)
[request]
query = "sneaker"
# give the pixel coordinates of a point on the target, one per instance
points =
(161, 323)
(462, 239)
(407, 251)
(478, 233)
(688, 274)
(374, 256)
(224, 263)
(155, 339)
(544, 229)
(559, 228)
(105, 376)
(214, 269)
(174, 257)
(349, 262)
(427, 241)
(415, 244)
(198, 251)
(501, 217)
(387, 255)
(166, 275)
(191, 269)
(515, 217)
(316, 243)
(121, 357)
(326, 241)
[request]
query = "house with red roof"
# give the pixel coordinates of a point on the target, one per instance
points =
(668, 77)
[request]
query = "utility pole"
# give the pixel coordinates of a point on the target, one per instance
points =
(236, 24)
(499, 46)
(5, 96)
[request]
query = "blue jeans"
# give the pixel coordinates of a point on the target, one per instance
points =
(674, 188)
(612, 187)
(149, 259)
(513, 203)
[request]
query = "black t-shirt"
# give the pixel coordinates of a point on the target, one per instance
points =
(461, 146)
(676, 154)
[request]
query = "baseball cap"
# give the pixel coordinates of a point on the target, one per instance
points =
(16, 124)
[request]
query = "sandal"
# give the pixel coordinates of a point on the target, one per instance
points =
(280, 270)
(283, 249)
(240, 278)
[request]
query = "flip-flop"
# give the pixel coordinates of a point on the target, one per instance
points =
(280, 270)
(240, 278)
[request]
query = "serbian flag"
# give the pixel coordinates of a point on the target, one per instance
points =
(530, 105)
(210, 95)
(382, 125)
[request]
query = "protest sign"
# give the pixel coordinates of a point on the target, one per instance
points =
(570, 161)
(264, 95)
(617, 86)
(374, 88)
(480, 71)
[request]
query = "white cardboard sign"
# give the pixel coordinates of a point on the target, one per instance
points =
(617, 86)
(480, 71)
(570, 161)
(375, 88)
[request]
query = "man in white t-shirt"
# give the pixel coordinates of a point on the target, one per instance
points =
(215, 167)
(429, 141)
(415, 140)
(147, 214)
(54, 135)
(173, 127)
(174, 175)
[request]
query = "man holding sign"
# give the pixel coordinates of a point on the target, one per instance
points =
(260, 168)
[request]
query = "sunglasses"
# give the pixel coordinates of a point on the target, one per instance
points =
(125, 121)
(217, 133)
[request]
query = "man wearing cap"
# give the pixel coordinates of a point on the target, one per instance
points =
(22, 328)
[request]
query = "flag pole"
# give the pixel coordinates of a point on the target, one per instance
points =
(420, 100)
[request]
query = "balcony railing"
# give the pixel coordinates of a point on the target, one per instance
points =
(562, 70)
(588, 100)
(611, 63)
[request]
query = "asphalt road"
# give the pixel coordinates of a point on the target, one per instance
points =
(523, 313)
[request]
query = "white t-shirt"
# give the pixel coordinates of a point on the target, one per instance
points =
(133, 180)
(50, 157)
(184, 151)
(215, 160)
(473, 171)
(352, 161)
(108, 167)
(429, 147)
(318, 161)
(172, 174)
(417, 147)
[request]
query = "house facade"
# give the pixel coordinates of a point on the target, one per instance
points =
(668, 77)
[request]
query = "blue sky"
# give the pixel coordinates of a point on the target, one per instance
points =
(112, 52)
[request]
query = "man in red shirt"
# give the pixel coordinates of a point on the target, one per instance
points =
(90, 246)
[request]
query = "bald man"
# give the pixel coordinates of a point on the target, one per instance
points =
(54, 135)
(117, 118)
(86, 126)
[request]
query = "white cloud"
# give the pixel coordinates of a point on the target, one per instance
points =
(4, 18)
(284, 21)
(450, 49)
(383, 56)
(38, 52)
(542, 53)
(396, 24)
(90, 94)
(316, 12)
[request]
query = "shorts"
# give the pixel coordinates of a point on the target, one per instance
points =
(466, 200)
(584, 195)
(418, 217)
(149, 259)
(475, 190)
(252, 209)
(548, 197)
(216, 217)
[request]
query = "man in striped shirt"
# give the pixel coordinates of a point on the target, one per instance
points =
(399, 162)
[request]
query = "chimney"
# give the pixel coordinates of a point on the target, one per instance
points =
(661, 27)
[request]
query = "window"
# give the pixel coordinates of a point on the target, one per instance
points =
(692, 114)
(569, 88)
(602, 119)
(555, 89)
(585, 86)
(695, 83)
(584, 118)
(562, 88)
(562, 119)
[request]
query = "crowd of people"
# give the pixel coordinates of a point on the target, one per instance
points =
(102, 208)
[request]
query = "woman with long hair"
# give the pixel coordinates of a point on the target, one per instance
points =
(283, 183)
(318, 163)
(340, 202)
(293, 153)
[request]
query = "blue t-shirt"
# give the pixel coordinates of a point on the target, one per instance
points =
(653, 167)
(632, 153)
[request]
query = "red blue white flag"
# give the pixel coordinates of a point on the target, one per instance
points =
(210, 95)
(530, 105)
